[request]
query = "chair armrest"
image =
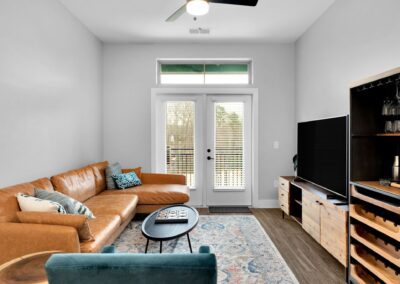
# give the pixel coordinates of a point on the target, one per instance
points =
(149, 178)
(108, 249)
(204, 249)
(18, 239)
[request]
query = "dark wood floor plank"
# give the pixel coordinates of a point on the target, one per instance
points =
(308, 260)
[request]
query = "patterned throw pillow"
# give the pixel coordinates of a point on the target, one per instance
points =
(127, 180)
(111, 170)
(33, 204)
(71, 205)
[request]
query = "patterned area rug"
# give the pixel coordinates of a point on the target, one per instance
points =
(245, 253)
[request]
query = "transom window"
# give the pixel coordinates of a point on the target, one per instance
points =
(210, 73)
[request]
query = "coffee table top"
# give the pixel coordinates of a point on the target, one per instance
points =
(169, 231)
(26, 269)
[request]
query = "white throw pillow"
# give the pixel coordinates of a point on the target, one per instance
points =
(33, 204)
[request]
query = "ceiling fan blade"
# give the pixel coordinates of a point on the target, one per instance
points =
(177, 14)
(236, 2)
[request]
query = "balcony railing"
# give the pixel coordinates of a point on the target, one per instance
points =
(228, 166)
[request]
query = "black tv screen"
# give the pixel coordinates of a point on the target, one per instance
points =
(322, 153)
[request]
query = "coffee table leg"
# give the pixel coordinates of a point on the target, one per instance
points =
(160, 246)
(147, 245)
(190, 244)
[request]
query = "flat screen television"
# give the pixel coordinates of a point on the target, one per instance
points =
(322, 153)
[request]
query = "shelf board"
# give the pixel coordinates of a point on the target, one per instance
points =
(298, 201)
(367, 135)
(297, 219)
(376, 186)
(388, 134)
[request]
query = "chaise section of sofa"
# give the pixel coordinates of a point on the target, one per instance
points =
(156, 191)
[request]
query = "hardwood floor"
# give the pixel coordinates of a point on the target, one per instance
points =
(310, 262)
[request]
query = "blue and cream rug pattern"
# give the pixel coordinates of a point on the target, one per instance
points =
(245, 253)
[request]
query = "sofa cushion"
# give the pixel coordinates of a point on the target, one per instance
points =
(71, 205)
(79, 222)
(102, 228)
(80, 184)
(8, 201)
(99, 171)
(156, 193)
(122, 205)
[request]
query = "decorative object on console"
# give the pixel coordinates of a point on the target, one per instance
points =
(126, 180)
(33, 204)
(295, 163)
(71, 205)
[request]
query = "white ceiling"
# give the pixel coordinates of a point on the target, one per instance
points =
(144, 20)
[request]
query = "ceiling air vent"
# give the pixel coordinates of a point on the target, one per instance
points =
(198, 31)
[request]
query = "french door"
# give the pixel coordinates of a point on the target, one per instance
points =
(207, 138)
(228, 157)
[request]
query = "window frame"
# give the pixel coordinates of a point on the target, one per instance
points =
(247, 61)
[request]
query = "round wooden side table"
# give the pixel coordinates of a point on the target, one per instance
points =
(26, 269)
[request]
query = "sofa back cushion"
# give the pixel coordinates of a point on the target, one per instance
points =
(99, 171)
(80, 184)
(9, 203)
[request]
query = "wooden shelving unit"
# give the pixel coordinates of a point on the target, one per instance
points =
(374, 222)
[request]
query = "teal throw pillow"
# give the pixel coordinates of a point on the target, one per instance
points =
(70, 205)
(114, 169)
(127, 180)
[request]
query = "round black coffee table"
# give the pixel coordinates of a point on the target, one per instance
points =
(169, 231)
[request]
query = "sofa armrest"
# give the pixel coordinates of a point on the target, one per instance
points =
(148, 178)
(18, 239)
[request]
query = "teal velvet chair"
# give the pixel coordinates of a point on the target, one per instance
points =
(109, 267)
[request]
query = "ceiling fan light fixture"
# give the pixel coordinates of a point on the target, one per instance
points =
(197, 7)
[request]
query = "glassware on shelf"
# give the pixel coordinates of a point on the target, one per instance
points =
(396, 126)
(387, 106)
(389, 127)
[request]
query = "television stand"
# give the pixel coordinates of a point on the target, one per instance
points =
(331, 196)
(320, 213)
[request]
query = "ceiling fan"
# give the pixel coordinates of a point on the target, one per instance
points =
(201, 7)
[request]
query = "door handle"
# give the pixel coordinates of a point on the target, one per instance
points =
(209, 158)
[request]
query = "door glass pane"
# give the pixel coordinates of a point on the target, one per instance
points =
(229, 141)
(180, 139)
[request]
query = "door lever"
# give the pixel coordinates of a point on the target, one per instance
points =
(209, 158)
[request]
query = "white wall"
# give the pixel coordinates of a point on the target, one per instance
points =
(129, 73)
(50, 91)
(352, 40)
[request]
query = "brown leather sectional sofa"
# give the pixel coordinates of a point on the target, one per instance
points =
(114, 209)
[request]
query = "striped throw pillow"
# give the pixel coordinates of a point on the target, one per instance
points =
(71, 205)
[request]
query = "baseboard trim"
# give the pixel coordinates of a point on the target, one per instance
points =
(266, 203)
(263, 203)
